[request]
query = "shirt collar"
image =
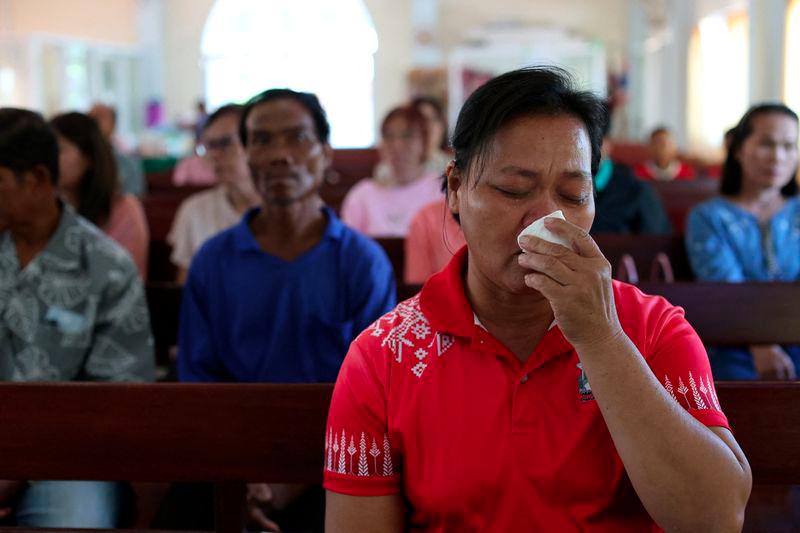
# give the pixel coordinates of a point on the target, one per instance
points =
(246, 241)
(444, 303)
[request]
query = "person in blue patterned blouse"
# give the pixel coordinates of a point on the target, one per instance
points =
(752, 231)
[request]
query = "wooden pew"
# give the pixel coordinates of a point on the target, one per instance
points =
(348, 168)
(737, 313)
(164, 304)
(226, 434)
(679, 197)
(231, 434)
(643, 249)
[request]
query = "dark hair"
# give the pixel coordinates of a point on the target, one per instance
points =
(731, 183)
(527, 91)
(224, 111)
(659, 130)
(307, 100)
(100, 182)
(436, 105)
(26, 141)
(414, 118)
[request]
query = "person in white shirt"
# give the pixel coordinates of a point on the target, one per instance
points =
(206, 213)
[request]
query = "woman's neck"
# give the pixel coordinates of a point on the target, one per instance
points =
(408, 175)
(240, 200)
(763, 202)
(519, 321)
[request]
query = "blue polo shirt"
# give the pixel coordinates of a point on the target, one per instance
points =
(248, 316)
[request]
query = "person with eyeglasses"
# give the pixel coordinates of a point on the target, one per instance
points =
(207, 213)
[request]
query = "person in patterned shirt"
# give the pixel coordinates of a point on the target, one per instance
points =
(524, 390)
(72, 307)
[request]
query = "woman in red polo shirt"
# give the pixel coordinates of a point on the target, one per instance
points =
(529, 391)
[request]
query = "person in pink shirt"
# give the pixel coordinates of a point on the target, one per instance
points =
(89, 181)
(433, 237)
(385, 207)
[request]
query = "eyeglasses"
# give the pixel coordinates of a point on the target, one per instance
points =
(213, 145)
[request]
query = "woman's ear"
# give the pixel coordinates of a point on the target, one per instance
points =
(454, 183)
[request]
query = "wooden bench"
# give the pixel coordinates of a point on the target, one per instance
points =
(642, 248)
(231, 434)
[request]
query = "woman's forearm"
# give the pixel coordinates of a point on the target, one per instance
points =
(685, 474)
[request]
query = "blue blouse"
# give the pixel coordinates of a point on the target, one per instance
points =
(726, 243)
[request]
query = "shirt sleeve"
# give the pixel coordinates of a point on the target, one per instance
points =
(372, 285)
(180, 237)
(360, 459)
(710, 253)
(652, 215)
(122, 347)
(419, 265)
(679, 361)
(198, 360)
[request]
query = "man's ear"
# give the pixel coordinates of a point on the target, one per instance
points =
(454, 186)
(36, 176)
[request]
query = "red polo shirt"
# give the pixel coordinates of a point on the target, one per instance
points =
(430, 405)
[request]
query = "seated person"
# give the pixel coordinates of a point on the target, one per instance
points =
(384, 207)
(623, 203)
(752, 231)
(438, 154)
(131, 170)
(193, 171)
(206, 213)
(280, 296)
(529, 391)
(89, 182)
(433, 238)
(72, 308)
(664, 164)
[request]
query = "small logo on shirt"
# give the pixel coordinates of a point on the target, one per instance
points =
(584, 389)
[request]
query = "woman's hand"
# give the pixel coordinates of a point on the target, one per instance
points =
(772, 362)
(576, 281)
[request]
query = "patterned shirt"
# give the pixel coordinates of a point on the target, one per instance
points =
(430, 405)
(726, 243)
(77, 311)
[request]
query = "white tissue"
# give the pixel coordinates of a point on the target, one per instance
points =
(537, 229)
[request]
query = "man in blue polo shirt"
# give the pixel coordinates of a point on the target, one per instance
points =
(280, 296)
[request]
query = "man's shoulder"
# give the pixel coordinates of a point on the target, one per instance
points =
(358, 246)
(85, 239)
(223, 243)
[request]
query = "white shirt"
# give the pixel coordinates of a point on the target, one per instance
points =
(199, 217)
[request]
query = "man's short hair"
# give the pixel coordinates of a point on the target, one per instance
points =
(308, 100)
(26, 140)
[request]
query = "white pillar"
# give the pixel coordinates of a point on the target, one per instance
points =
(767, 31)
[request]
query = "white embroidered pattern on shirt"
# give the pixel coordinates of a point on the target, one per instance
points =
(693, 396)
(374, 454)
(406, 330)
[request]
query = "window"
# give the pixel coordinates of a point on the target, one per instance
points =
(791, 89)
(321, 46)
(718, 77)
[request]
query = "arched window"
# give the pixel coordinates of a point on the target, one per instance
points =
(321, 46)
(791, 90)
(718, 77)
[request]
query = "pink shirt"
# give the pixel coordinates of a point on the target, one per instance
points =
(128, 226)
(433, 238)
(386, 211)
(193, 170)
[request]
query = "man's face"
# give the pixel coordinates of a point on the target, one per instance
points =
(286, 158)
(224, 150)
(17, 198)
(536, 165)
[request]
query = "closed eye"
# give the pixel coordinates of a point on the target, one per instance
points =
(511, 193)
